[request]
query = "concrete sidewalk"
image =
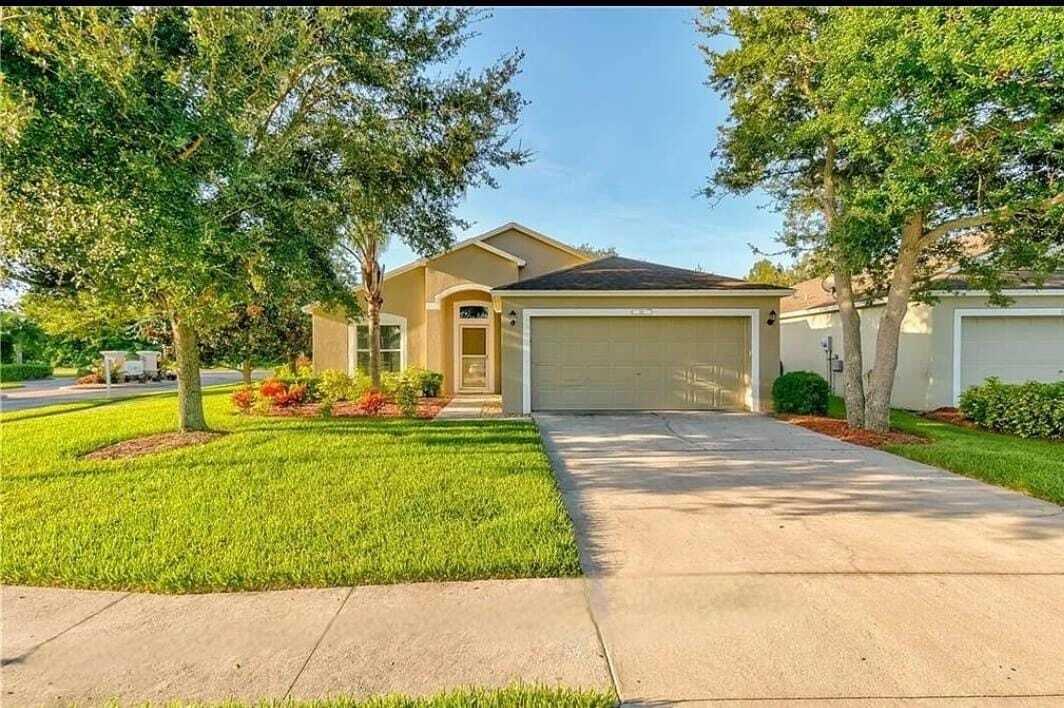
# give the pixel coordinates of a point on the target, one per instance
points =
(62, 646)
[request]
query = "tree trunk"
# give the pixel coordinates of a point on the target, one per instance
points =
(374, 300)
(189, 391)
(881, 378)
(373, 282)
(245, 371)
(852, 357)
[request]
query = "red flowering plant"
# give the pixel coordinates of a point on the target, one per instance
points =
(372, 402)
(273, 388)
(243, 399)
(293, 396)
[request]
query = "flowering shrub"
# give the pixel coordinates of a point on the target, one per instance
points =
(1029, 410)
(293, 396)
(372, 402)
(93, 377)
(243, 399)
(273, 388)
(303, 375)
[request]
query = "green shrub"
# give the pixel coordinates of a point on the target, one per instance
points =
(430, 382)
(335, 386)
(25, 372)
(303, 376)
(406, 393)
(390, 381)
(1030, 410)
(801, 392)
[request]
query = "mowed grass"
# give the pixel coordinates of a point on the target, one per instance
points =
(1034, 467)
(10, 384)
(510, 697)
(275, 503)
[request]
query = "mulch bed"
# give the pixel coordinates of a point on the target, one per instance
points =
(426, 408)
(949, 415)
(151, 444)
(840, 430)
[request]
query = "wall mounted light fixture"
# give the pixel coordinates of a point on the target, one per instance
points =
(513, 318)
(771, 317)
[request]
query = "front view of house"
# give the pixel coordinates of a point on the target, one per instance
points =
(515, 312)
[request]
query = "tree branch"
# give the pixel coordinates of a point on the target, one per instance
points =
(970, 222)
(192, 147)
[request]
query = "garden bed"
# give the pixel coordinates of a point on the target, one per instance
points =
(948, 414)
(840, 430)
(151, 444)
(427, 408)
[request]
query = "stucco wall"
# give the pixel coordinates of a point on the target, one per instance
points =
(800, 349)
(924, 379)
(539, 257)
(468, 266)
(940, 385)
(511, 341)
(329, 341)
(404, 295)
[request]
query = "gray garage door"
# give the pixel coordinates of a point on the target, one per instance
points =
(640, 363)
(1015, 349)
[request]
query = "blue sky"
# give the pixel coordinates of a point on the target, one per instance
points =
(621, 124)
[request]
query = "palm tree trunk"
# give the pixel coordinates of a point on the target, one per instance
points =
(189, 392)
(372, 281)
(245, 371)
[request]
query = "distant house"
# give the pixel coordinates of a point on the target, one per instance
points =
(944, 348)
(516, 312)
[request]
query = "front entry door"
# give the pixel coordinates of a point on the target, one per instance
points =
(473, 364)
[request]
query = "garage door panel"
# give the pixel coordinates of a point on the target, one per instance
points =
(639, 362)
(1015, 349)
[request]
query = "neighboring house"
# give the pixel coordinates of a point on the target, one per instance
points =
(944, 348)
(515, 312)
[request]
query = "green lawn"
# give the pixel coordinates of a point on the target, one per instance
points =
(511, 697)
(10, 384)
(59, 371)
(276, 503)
(1035, 467)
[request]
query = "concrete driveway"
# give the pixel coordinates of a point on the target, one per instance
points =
(735, 557)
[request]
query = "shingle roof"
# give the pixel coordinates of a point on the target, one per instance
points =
(616, 273)
(816, 293)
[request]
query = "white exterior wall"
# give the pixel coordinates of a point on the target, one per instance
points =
(924, 379)
(800, 349)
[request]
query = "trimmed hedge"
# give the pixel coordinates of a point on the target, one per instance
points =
(1030, 410)
(25, 372)
(801, 392)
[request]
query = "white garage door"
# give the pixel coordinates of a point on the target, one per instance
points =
(640, 363)
(1014, 349)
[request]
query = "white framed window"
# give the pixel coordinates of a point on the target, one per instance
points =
(393, 344)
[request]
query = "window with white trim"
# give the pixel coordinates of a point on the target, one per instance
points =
(391, 347)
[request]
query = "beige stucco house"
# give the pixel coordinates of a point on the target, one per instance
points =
(945, 347)
(516, 312)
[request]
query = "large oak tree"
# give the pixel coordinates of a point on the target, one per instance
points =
(172, 157)
(889, 135)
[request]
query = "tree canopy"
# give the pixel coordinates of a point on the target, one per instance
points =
(894, 139)
(184, 159)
